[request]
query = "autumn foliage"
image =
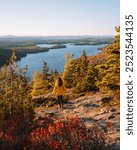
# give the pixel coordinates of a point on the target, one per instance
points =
(71, 134)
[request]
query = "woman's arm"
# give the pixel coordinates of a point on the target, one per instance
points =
(54, 89)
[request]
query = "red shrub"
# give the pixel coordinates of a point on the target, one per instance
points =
(19, 133)
(68, 135)
(13, 132)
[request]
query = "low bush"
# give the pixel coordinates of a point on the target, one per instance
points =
(14, 132)
(19, 132)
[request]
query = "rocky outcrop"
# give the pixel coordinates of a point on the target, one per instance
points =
(90, 110)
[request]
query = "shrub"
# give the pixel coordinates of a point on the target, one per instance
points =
(18, 132)
(67, 135)
(14, 132)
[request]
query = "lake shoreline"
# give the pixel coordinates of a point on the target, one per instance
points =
(23, 51)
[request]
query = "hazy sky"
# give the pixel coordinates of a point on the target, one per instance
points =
(59, 17)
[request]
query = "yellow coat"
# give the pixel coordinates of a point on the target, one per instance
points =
(59, 90)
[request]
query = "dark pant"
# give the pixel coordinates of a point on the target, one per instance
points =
(60, 101)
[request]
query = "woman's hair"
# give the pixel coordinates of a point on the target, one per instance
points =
(60, 82)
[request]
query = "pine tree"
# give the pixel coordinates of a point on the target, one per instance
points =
(56, 73)
(75, 71)
(109, 72)
(90, 79)
(47, 77)
(45, 70)
(83, 64)
(43, 82)
(15, 95)
(81, 72)
(69, 71)
(38, 84)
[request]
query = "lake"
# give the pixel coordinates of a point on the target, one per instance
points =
(55, 57)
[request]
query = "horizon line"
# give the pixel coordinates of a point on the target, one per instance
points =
(53, 35)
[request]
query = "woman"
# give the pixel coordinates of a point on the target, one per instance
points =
(59, 90)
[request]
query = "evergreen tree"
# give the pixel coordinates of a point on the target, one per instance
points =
(81, 72)
(43, 82)
(38, 84)
(15, 95)
(75, 71)
(69, 75)
(45, 69)
(56, 73)
(109, 72)
(47, 77)
(68, 71)
(68, 56)
(90, 79)
(83, 64)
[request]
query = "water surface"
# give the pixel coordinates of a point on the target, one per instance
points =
(55, 57)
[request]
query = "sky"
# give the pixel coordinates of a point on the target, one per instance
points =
(59, 17)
